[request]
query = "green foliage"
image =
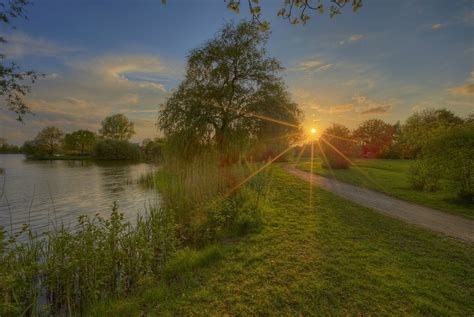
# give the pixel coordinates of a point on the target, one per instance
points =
(6, 148)
(231, 88)
(116, 150)
(153, 149)
(424, 176)
(420, 127)
(451, 154)
(393, 178)
(80, 142)
(336, 146)
(47, 143)
(12, 79)
(375, 137)
(50, 139)
(117, 127)
(208, 200)
(100, 258)
(334, 258)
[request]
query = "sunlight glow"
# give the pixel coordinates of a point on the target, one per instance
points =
(259, 170)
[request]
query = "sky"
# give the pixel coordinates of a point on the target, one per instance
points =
(386, 61)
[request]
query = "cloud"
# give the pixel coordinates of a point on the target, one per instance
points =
(466, 89)
(359, 99)
(20, 45)
(352, 39)
(119, 69)
(366, 106)
(437, 26)
(314, 66)
(342, 108)
(82, 91)
(375, 109)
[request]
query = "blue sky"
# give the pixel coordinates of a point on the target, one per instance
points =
(388, 60)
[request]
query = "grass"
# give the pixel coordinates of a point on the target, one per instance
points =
(391, 177)
(335, 258)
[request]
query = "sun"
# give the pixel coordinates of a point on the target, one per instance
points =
(313, 131)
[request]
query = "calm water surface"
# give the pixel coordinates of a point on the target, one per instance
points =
(43, 193)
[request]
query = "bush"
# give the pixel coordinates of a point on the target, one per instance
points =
(423, 176)
(32, 149)
(451, 154)
(116, 150)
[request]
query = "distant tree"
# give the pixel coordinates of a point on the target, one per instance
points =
(469, 118)
(375, 136)
(6, 148)
(81, 141)
(421, 127)
(12, 78)
(394, 151)
(116, 150)
(152, 149)
(337, 146)
(117, 127)
(50, 139)
(230, 91)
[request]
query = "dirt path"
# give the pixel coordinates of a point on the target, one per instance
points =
(439, 221)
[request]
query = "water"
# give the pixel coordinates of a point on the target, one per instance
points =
(47, 193)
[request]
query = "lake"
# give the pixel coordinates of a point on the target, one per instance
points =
(43, 193)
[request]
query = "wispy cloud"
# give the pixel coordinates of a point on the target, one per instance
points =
(353, 38)
(466, 89)
(313, 66)
(366, 106)
(437, 26)
(84, 90)
(342, 108)
(375, 109)
(20, 45)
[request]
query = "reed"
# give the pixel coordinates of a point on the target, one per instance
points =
(65, 270)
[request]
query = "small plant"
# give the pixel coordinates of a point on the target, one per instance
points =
(423, 176)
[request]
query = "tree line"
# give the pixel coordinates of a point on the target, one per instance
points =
(440, 142)
(111, 142)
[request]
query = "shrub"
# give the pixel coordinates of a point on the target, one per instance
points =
(423, 176)
(451, 154)
(116, 150)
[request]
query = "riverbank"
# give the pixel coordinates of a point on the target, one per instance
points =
(331, 258)
(61, 158)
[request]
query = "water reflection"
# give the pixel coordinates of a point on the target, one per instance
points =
(42, 193)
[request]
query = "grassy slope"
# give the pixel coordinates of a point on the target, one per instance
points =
(391, 177)
(335, 258)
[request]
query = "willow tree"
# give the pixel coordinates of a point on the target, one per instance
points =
(231, 93)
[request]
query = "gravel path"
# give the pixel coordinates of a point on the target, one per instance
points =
(436, 220)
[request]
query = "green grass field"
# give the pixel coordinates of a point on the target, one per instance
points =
(391, 177)
(334, 258)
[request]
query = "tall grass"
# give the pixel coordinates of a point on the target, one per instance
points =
(66, 270)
